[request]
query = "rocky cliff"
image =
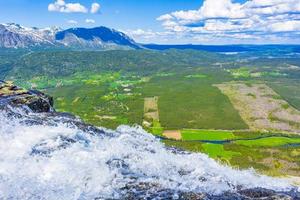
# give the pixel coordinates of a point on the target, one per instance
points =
(17, 97)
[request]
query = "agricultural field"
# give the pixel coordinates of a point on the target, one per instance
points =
(206, 135)
(150, 111)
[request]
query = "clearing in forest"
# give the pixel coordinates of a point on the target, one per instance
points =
(150, 111)
(262, 108)
(173, 134)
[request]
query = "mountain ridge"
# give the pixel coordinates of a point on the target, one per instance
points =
(98, 38)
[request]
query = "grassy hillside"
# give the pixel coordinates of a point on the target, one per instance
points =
(143, 62)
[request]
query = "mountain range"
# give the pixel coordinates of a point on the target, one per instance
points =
(15, 36)
(100, 38)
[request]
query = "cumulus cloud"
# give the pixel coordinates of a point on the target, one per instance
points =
(90, 21)
(62, 6)
(165, 17)
(148, 36)
(251, 20)
(95, 8)
(289, 26)
(141, 33)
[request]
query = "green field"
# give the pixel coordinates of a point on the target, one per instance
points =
(102, 101)
(289, 89)
(268, 153)
(192, 103)
(217, 151)
(206, 135)
(111, 99)
(269, 142)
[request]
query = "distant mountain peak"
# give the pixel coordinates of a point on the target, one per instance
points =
(103, 34)
(14, 35)
(13, 24)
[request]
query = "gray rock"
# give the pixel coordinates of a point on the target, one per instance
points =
(17, 97)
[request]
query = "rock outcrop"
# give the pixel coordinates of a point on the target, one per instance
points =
(36, 108)
(14, 96)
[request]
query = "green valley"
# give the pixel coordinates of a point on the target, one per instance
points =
(194, 100)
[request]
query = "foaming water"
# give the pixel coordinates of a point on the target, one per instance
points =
(61, 161)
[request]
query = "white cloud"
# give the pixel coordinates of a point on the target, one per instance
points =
(222, 9)
(72, 22)
(272, 7)
(165, 17)
(211, 9)
(90, 21)
(251, 20)
(287, 26)
(95, 8)
(62, 6)
(141, 33)
(148, 36)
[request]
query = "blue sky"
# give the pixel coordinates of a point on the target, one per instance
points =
(168, 21)
(119, 14)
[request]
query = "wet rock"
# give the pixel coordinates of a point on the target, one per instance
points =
(257, 193)
(43, 148)
(192, 196)
(17, 97)
(154, 191)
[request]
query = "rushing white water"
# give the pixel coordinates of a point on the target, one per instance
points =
(38, 162)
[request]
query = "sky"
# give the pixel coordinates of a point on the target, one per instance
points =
(168, 21)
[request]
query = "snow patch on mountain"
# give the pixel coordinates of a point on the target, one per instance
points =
(16, 36)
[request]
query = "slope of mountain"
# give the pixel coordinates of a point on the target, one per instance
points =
(16, 36)
(100, 38)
